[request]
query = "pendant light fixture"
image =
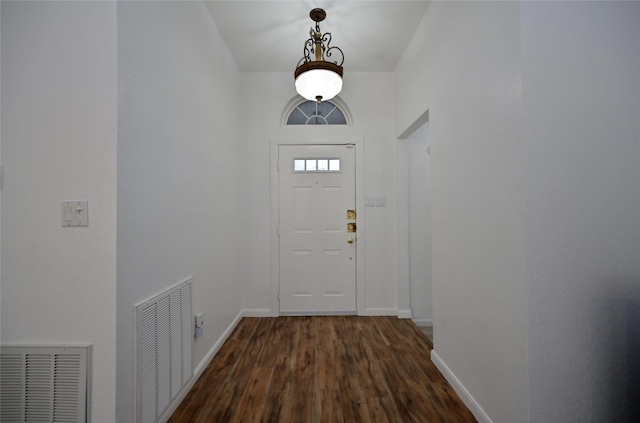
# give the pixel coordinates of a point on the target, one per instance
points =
(317, 76)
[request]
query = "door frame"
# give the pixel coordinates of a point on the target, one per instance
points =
(275, 143)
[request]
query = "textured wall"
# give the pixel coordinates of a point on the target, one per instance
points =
(59, 129)
(560, 179)
(581, 127)
(178, 171)
(463, 66)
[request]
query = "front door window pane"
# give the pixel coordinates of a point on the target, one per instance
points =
(316, 165)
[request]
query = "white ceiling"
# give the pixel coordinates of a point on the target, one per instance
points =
(268, 36)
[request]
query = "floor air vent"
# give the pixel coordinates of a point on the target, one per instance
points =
(164, 338)
(44, 384)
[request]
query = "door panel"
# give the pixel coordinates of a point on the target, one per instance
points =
(317, 264)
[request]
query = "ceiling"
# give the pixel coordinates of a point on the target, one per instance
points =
(268, 36)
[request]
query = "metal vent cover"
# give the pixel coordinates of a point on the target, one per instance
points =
(164, 342)
(44, 384)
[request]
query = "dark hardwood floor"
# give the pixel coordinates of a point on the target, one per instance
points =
(323, 369)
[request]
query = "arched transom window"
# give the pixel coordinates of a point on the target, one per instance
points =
(312, 113)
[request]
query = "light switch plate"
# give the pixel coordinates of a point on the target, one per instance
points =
(381, 201)
(75, 213)
(369, 201)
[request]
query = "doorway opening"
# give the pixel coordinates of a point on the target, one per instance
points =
(419, 209)
(414, 239)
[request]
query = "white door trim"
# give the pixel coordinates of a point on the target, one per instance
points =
(358, 143)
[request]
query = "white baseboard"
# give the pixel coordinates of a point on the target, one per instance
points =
(216, 346)
(379, 312)
(265, 312)
(256, 312)
(462, 392)
(319, 313)
(404, 314)
(197, 372)
(423, 322)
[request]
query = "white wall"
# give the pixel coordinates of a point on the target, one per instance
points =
(581, 127)
(59, 130)
(178, 171)
(463, 66)
(419, 216)
(553, 152)
(264, 96)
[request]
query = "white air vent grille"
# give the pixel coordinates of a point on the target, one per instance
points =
(165, 334)
(44, 384)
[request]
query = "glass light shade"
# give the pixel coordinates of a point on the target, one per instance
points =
(318, 82)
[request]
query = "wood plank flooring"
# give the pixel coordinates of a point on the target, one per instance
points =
(320, 369)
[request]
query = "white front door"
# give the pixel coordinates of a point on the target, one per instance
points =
(317, 213)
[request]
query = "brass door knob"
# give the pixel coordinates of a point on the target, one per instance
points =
(350, 240)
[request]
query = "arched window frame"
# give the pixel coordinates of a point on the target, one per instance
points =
(297, 101)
